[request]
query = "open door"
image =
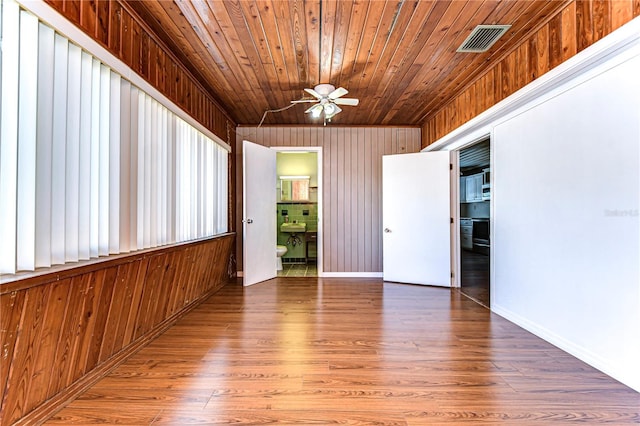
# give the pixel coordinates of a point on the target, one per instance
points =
(258, 213)
(416, 214)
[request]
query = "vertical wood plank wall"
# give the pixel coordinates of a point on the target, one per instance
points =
(61, 331)
(120, 30)
(573, 29)
(351, 186)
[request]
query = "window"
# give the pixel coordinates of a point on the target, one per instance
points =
(90, 165)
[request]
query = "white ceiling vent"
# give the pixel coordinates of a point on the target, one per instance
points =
(482, 38)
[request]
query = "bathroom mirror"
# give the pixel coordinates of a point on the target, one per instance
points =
(294, 188)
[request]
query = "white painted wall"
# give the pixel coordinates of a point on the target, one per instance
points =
(566, 237)
(565, 204)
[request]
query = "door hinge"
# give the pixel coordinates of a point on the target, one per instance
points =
(450, 166)
(451, 220)
(452, 275)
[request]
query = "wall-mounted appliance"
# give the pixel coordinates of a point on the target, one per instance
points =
(486, 192)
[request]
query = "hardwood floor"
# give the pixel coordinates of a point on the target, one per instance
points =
(349, 351)
(475, 277)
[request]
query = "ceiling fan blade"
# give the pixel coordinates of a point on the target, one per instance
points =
(340, 91)
(347, 101)
(302, 101)
(313, 93)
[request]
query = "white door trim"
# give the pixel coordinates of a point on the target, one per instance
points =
(318, 151)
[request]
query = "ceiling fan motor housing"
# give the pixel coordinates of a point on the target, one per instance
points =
(324, 89)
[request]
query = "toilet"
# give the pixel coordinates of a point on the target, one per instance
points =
(280, 251)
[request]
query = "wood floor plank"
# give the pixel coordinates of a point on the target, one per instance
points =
(355, 351)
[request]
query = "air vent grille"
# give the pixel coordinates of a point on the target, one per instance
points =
(482, 38)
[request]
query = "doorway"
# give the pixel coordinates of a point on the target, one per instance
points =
(475, 221)
(299, 210)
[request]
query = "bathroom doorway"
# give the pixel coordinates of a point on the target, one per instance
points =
(299, 211)
(475, 220)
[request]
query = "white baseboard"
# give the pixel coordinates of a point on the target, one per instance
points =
(351, 274)
(578, 351)
(240, 274)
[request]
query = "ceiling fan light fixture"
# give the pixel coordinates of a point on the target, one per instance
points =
(330, 109)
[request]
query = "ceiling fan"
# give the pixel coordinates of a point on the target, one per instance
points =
(328, 98)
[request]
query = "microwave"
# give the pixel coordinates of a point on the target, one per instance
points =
(486, 191)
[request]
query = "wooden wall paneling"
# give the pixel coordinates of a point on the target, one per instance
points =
(136, 47)
(11, 308)
(54, 316)
(126, 37)
(363, 208)
(356, 195)
(569, 45)
(57, 5)
(601, 18)
(66, 353)
(136, 298)
(555, 41)
(352, 161)
(145, 52)
(584, 24)
(88, 328)
(153, 67)
(16, 402)
(101, 332)
(72, 10)
(351, 193)
(88, 14)
(196, 272)
(621, 13)
(332, 189)
(103, 21)
(343, 197)
(115, 29)
(191, 283)
(522, 72)
(148, 297)
(175, 273)
(120, 306)
(160, 310)
(114, 313)
(58, 331)
(166, 308)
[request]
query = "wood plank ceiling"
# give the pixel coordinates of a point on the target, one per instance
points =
(397, 56)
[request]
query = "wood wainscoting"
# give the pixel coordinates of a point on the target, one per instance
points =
(63, 330)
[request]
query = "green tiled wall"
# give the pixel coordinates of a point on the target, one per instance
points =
(295, 213)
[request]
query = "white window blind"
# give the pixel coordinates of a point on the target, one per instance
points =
(90, 165)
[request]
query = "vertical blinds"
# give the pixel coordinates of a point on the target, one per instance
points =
(90, 165)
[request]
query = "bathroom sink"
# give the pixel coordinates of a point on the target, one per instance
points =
(293, 227)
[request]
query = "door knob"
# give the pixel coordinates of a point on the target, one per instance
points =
(247, 221)
(387, 230)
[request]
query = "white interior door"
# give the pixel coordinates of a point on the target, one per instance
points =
(258, 213)
(416, 215)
